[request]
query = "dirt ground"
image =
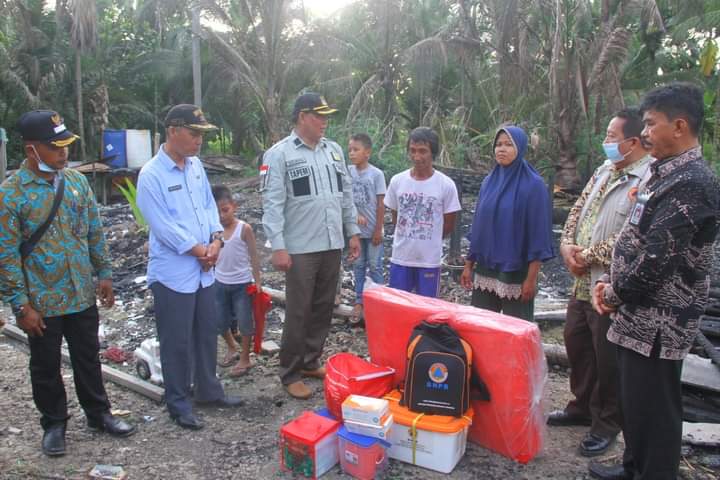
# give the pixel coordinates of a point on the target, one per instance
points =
(243, 442)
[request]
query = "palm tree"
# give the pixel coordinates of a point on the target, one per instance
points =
(83, 38)
(258, 54)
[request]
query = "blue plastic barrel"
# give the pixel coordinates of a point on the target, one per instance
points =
(114, 148)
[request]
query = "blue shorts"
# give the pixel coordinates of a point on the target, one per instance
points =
(234, 307)
(423, 281)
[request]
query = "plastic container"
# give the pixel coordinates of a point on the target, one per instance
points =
(436, 442)
(114, 148)
(324, 412)
(507, 355)
(348, 374)
(309, 445)
(377, 431)
(360, 456)
(138, 147)
(371, 411)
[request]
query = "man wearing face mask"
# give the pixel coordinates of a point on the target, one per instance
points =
(51, 246)
(586, 247)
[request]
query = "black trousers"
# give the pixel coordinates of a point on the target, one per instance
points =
(651, 402)
(80, 331)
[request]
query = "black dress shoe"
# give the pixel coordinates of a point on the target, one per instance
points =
(560, 418)
(108, 423)
(593, 445)
(188, 421)
(609, 472)
(53, 441)
(226, 401)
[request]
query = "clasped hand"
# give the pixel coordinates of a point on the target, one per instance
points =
(573, 260)
(598, 301)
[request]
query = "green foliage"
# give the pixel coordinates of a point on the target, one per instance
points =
(462, 68)
(130, 193)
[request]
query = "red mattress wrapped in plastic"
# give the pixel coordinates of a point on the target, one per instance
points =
(507, 353)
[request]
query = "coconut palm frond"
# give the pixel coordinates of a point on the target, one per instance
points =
(219, 13)
(615, 51)
(427, 49)
(14, 82)
(705, 21)
(234, 57)
(364, 97)
(650, 17)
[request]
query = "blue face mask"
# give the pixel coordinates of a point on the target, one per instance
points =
(612, 151)
(42, 166)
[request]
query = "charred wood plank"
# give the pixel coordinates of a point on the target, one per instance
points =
(710, 325)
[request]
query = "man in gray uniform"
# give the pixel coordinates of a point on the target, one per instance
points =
(307, 202)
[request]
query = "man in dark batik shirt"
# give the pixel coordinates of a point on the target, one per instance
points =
(658, 283)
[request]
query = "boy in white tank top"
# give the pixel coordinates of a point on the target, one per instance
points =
(236, 267)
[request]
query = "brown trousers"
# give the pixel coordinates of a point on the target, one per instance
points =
(310, 287)
(593, 368)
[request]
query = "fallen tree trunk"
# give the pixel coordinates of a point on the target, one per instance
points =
(345, 311)
(556, 354)
(341, 310)
(697, 371)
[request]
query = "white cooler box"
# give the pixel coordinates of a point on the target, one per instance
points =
(438, 443)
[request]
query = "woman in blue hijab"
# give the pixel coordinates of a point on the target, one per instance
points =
(511, 233)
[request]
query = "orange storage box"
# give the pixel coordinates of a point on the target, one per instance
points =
(507, 353)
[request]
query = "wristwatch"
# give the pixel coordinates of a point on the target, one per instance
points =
(19, 312)
(217, 236)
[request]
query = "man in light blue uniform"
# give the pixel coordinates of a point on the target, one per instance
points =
(307, 202)
(175, 198)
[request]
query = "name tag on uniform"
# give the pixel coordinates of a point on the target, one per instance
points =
(293, 162)
(174, 188)
(639, 208)
(299, 172)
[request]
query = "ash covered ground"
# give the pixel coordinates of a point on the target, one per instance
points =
(242, 443)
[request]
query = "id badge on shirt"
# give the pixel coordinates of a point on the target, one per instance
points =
(639, 208)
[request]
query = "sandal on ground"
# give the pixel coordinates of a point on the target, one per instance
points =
(229, 359)
(237, 371)
(356, 317)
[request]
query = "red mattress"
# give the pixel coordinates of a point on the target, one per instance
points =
(508, 356)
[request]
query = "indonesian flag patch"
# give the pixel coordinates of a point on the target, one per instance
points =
(263, 176)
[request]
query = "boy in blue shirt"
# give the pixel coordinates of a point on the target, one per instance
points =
(368, 192)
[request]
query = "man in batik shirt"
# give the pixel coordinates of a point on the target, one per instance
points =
(659, 281)
(51, 289)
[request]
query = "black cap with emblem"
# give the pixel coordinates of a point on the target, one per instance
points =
(188, 116)
(45, 126)
(311, 102)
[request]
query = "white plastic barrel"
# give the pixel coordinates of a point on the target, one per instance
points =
(139, 148)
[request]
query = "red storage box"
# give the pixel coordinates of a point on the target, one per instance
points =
(507, 355)
(309, 445)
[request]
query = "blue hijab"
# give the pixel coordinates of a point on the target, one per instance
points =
(512, 225)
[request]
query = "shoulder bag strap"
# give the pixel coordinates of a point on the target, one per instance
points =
(27, 246)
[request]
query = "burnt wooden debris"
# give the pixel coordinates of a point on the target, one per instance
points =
(114, 375)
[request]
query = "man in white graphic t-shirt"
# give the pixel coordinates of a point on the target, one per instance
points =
(424, 205)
